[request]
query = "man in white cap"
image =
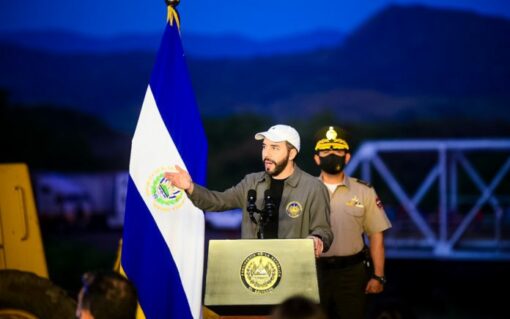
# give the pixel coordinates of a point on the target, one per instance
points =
(300, 201)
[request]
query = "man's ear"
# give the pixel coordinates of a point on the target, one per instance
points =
(347, 157)
(317, 159)
(292, 154)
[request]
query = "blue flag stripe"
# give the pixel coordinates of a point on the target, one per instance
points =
(149, 264)
(171, 85)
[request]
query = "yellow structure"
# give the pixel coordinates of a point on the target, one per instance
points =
(21, 246)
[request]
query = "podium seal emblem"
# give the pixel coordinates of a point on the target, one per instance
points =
(261, 272)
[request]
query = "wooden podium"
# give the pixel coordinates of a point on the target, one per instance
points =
(246, 278)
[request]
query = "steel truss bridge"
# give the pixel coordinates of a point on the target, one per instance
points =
(447, 199)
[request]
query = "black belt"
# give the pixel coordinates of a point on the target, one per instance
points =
(341, 261)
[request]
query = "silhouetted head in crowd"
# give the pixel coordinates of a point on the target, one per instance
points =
(106, 295)
(298, 307)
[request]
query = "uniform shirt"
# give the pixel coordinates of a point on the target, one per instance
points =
(304, 208)
(355, 209)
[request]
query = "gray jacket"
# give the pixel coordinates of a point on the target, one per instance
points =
(304, 208)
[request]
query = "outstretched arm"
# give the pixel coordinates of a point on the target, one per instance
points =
(204, 198)
(180, 179)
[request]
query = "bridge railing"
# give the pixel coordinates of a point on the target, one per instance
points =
(446, 198)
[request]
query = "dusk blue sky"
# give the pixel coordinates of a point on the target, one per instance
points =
(256, 19)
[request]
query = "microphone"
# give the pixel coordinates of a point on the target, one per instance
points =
(252, 207)
(269, 205)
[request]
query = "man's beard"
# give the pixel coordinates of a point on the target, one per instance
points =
(279, 167)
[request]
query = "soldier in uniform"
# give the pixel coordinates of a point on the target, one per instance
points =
(344, 278)
(301, 201)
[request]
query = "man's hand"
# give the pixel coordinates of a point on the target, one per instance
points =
(318, 245)
(374, 287)
(180, 179)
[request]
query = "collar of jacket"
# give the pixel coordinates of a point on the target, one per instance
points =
(292, 180)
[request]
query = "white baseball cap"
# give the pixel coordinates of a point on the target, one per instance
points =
(281, 133)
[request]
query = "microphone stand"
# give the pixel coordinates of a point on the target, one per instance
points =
(265, 214)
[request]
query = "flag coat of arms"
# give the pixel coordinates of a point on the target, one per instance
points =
(163, 240)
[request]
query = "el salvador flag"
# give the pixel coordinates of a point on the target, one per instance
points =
(163, 241)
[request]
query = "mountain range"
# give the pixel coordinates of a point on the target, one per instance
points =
(195, 45)
(404, 63)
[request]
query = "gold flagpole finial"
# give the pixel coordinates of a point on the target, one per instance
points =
(172, 14)
(172, 3)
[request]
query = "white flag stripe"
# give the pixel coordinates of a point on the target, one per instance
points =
(153, 148)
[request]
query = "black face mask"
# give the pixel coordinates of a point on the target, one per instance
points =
(332, 164)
